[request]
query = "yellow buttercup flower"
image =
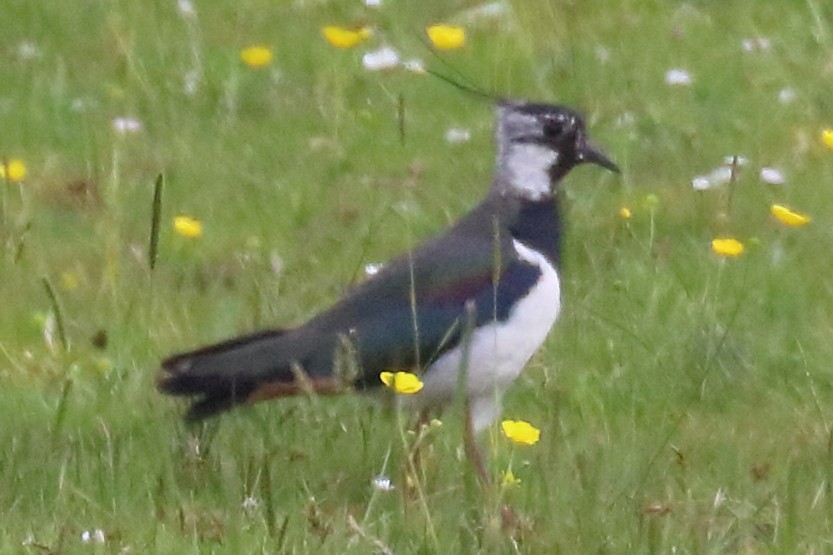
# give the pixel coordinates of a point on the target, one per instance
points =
(788, 217)
(345, 38)
(508, 479)
(102, 364)
(727, 246)
(625, 213)
(69, 280)
(827, 138)
(187, 226)
(520, 432)
(402, 382)
(13, 170)
(256, 57)
(446, 37)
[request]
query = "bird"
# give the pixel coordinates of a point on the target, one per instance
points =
(466, 309)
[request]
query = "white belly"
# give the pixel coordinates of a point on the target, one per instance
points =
(499, 351)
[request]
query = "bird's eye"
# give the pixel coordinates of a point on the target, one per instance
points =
(555, 128)
(552, 130)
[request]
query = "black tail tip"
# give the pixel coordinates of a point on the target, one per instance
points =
(210, 395)
(174, 383)
(208, 406)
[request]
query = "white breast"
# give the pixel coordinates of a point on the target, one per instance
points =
(499, 351)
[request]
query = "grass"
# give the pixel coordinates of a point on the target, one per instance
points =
(684, 399)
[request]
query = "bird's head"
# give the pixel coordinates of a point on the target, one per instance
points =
(538, 144)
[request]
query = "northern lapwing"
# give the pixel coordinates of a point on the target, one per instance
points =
(478, 299)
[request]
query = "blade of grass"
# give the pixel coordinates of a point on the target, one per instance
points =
(156, 215)
(400, 117)
(266, 496)
(61, 409)
(59, 317)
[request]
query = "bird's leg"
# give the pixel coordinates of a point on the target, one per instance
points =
(470, 443)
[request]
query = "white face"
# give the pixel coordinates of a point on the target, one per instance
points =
(526, 167)
(538, 144)
(523, 162)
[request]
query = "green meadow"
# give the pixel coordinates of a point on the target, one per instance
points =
(685, 399)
